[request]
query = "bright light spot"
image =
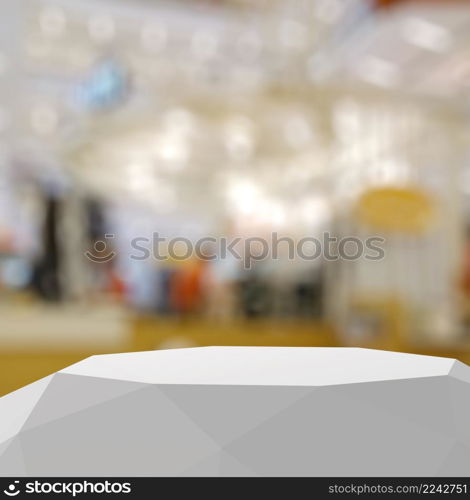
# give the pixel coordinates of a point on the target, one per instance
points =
(52, 22)
(139, 175)
(426, 35)
(101, 28)
(173, 148)
(390, 171)
(243, 196)
(140, 179)
(239, 138)
(264, 212)
(315, 210)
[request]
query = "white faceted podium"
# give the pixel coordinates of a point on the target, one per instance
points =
(242, 411)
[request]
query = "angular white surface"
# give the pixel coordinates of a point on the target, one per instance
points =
(291, 366)
(251, 411)
(16, 407)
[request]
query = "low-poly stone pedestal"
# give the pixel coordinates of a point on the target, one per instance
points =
(224, 411)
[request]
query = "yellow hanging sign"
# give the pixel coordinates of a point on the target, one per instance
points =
(396, 209)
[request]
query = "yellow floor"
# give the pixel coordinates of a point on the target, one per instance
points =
(21, 367)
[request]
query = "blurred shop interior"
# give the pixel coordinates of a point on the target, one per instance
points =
(234, 118)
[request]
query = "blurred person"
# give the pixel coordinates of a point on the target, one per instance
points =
(255, 291)
(465, 281)
(46, 269)
(186, 287)
(222, 284)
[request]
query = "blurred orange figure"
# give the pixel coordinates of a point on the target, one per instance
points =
(186, 286)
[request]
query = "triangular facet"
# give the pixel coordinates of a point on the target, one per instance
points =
(140, 433)
(459, 407)
(11, 460)
(16, 407)
(68, 394)
(227, 412)
(456, 463)
(329, 433)
(460, 372)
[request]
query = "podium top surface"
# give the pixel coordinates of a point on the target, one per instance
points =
(266, 366)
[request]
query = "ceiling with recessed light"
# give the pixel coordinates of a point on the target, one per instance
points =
(185, 106)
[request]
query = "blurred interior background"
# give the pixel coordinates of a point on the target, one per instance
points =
(236, 118)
